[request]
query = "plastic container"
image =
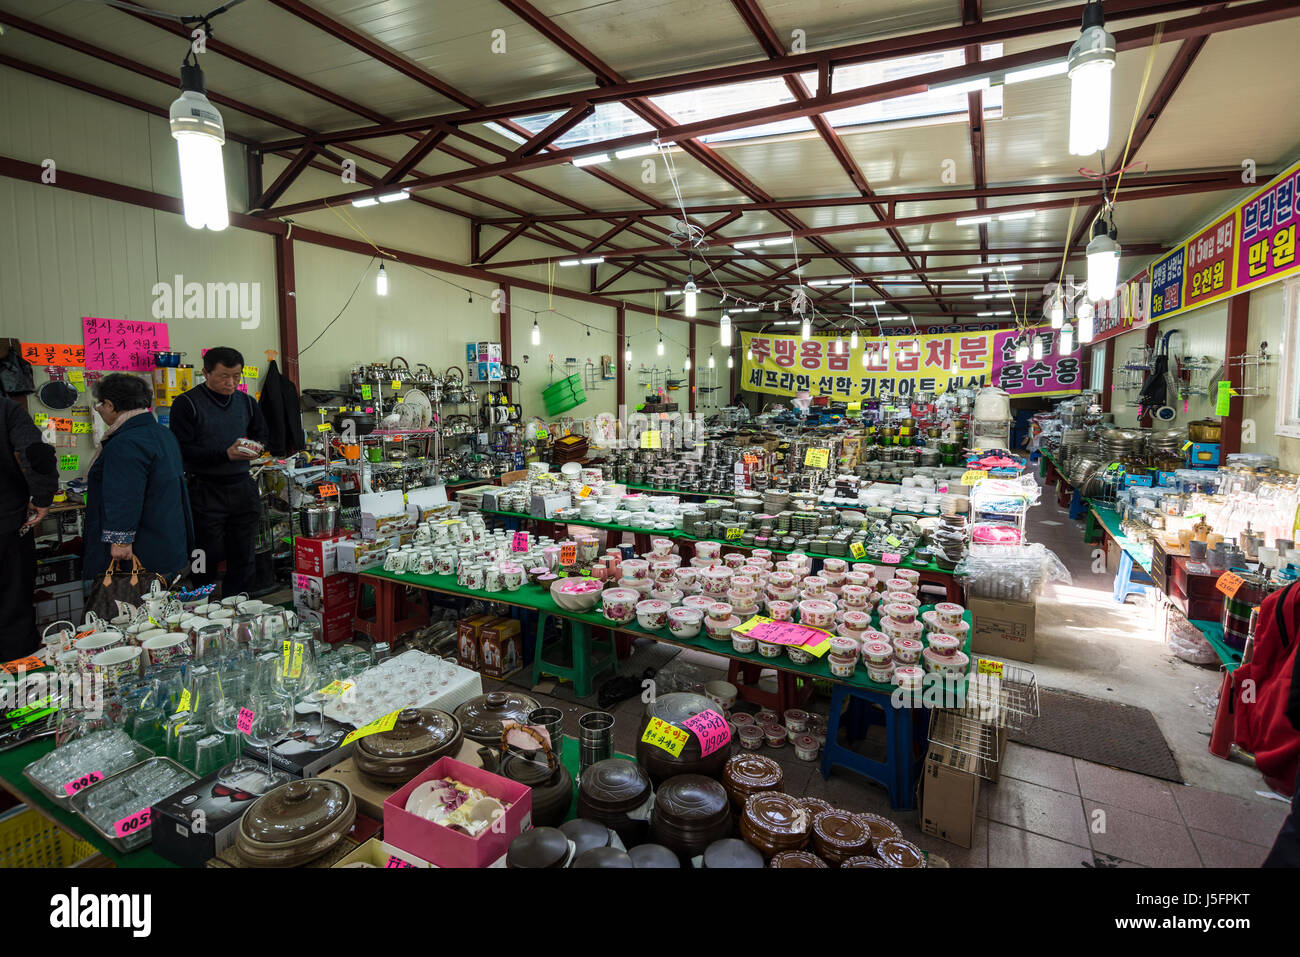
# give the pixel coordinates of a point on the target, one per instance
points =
(684, 622)
(816, 613)
(842, 666)
(751, 736)
(878, 654)
(770, 650)
(798, 655)
(898, 612)
(720, 629)
(796, 720)
(775, 735)
(652, 614)
(944, 645)
(907, 651)
(805, 747)
(779, 610)
(909, 677)
(744, 644)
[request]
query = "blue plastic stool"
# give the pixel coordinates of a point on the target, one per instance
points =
(1128, 578)
(584, 665)
(1078, 505)
(900, 771)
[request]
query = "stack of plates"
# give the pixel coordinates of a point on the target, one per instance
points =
(1122, 445)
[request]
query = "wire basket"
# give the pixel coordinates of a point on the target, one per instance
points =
(999, 697)
(29, 840)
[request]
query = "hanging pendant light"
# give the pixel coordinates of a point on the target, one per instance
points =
(1022, 349)
(724, 329)
(199, 133)
(690, 290)
(627, 353)
(1089, 66)
(1103, 261)
(686, 366)
(661, 345)
(866, 352)
(1036, 350)
(381, 288)
(805, 329)
(1067, 339)
(1056, 309)
(749, 353)
(537, 331)
(853, 339)
(710, 360)
(1087, 321)
(730, 363)
(884, 351)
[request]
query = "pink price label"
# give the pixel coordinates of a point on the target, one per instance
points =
(301, 582)
(244, 723)
(891, 558)
(712, 730)
(787, 633)
(520, 542)
(132, 824)
(85, 781)
(395, 861)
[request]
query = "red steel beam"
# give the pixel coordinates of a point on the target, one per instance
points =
(286, 178)
(501, 244)
(555, 130)
(1235, 344)
(429, 142)
(1007, 28)
(287, 304)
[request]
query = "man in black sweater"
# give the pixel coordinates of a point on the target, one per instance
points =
(29, 476)
(209, 421)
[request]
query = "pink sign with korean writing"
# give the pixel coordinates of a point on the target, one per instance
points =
(122, 345)
(1267, 227)
(1209, 263)
(787, 633)
(712, 730)
(1050, 374)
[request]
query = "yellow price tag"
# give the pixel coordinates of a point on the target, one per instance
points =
(324, 427)
(292, 666)
(584, 492)
(397, 384)
(662, 735)
(735, 534)
(987, 666)
(81, 428)
(744, 627)
(650, 439)
(857, 549)
(378, 726)
(1186, 446)
(817, 458)
(971, 476)
(40, 418)
(76, 375)
(185, 700)
(250, 372)
(335, 687)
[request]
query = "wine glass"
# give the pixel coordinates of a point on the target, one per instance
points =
(297, 674)
(225, 718)
(272, 719)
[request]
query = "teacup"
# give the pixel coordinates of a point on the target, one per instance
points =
(167, 648)
(115, 664)
(96, 643)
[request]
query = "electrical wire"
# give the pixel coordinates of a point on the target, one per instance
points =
(351, 295)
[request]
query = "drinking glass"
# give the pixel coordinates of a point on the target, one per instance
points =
(187, 739)
(210, 754)
(205, 688)
(225, 718)
(147, 728)
(272, 719)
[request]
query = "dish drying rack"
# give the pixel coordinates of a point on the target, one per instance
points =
(993, 704)
(1246, 368)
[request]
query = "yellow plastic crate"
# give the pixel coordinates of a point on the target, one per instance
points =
(29, 840)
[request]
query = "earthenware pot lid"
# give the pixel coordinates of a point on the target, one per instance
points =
(691, 797)
(753, 771)
(880, 827)
(896, 852)
(538, 847)
(677, 707)
(295, 810)
(777, 813)
(418, 731)
(863, 860)
(585, 835)
(797, 859)
(731, 853)
(482, 718)
(653, 855)
(841, 829)
(815, 806)
(603, 857)
(615, 781)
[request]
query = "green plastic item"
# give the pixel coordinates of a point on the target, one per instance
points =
(561, 396)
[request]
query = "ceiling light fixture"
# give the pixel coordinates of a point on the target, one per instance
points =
(1067, 339)
(199, 133)
(661, 345)
(805, 329)
(401, 194)
(627, 353)
(570, 262)
(710, 360)
(784, 241)
(1056, 308)
(635, 151)
(747, 244)
(537, 332)
(730, 362)
(591, 261)
(1022, 349)
(1103, 260)
(1089, 66)
(1057, 68)
(1018, 214)
(367, 201)
(1087, 321)
(724, 329)
(853, 339)
(1037, 350)
(972, 220)
(381, 281)
(686, 366)
(590, 160)
(690, 290)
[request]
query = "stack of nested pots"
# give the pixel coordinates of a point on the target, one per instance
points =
(690, 813)
(747, 774)
(774, 822)
(806, 859)
(838, 835)
(617, 793)
(659, 764)
(879, 828)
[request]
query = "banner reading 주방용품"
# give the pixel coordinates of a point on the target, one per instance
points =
(786, 365)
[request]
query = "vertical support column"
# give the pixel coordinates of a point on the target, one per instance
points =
(287, 307)
(504, 335)
(1108, 377)
(1152, 337)
(620, 347)
(690, 380)
(1234, 344)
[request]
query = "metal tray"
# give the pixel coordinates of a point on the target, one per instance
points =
(137, 840)
(61, 799)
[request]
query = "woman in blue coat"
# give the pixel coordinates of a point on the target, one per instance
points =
(136, 502)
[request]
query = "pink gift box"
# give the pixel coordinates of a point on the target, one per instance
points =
(443, 847)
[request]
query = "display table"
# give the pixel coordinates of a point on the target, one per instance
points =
(898, 773)
(1133, 575)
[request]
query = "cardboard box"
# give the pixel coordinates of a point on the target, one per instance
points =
(469, 648)
(546, 505)
(325, 594)
(359, 555)
(501, 648)
(335, 626)
(317, 556)
(369, 795)
(950, 793)
(443, 847)
(196, 824)
(381, 511)
(1002, 628)
(301, 756)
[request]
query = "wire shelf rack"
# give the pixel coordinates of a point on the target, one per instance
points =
(1003, 697)
(1247, 368)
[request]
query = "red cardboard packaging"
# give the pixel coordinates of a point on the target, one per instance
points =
(443, 847)
(317, 556)
(324, 593)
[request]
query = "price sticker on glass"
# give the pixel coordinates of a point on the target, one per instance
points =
(85, 781)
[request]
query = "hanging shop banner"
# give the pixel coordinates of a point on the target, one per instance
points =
(784, 365)
(1050, 375)
(53, 354)
(1167, 285)
(1210, 263)
(1129, 310)
(122, 345)
(1266, 223)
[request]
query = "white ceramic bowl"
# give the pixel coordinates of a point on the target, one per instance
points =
(576, 594)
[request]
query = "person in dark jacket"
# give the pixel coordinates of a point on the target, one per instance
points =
(209, 421)
(279, 402)
(136, 500)
(29, 477)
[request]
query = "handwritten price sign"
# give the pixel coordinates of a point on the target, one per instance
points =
(817, 458)
(520, 542)
(584, 492)
(568, 554)
(133, 824)
(664, 735)
(244, 724)
(85, 781)
(857, 549)
(395, 861)
(1229, 584)
(378, 726)
(712, 730)
(650, 439)
(971, 476)
(735, 534)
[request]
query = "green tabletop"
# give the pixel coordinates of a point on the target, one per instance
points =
(539, 599)
(1109, 518)
(11, 774)
(1213, 632)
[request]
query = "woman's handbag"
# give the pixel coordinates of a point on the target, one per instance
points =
(121, 585)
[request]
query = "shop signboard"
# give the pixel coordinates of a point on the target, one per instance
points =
(787, 364)
(1167, 285)
(1129, 310)
(1052, 374)
(122, 345)
(1210, 263)
(1266, 223)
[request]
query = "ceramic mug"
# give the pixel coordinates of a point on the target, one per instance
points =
(233, 601)
(115, 664)
(167, 648)
(94, 644)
